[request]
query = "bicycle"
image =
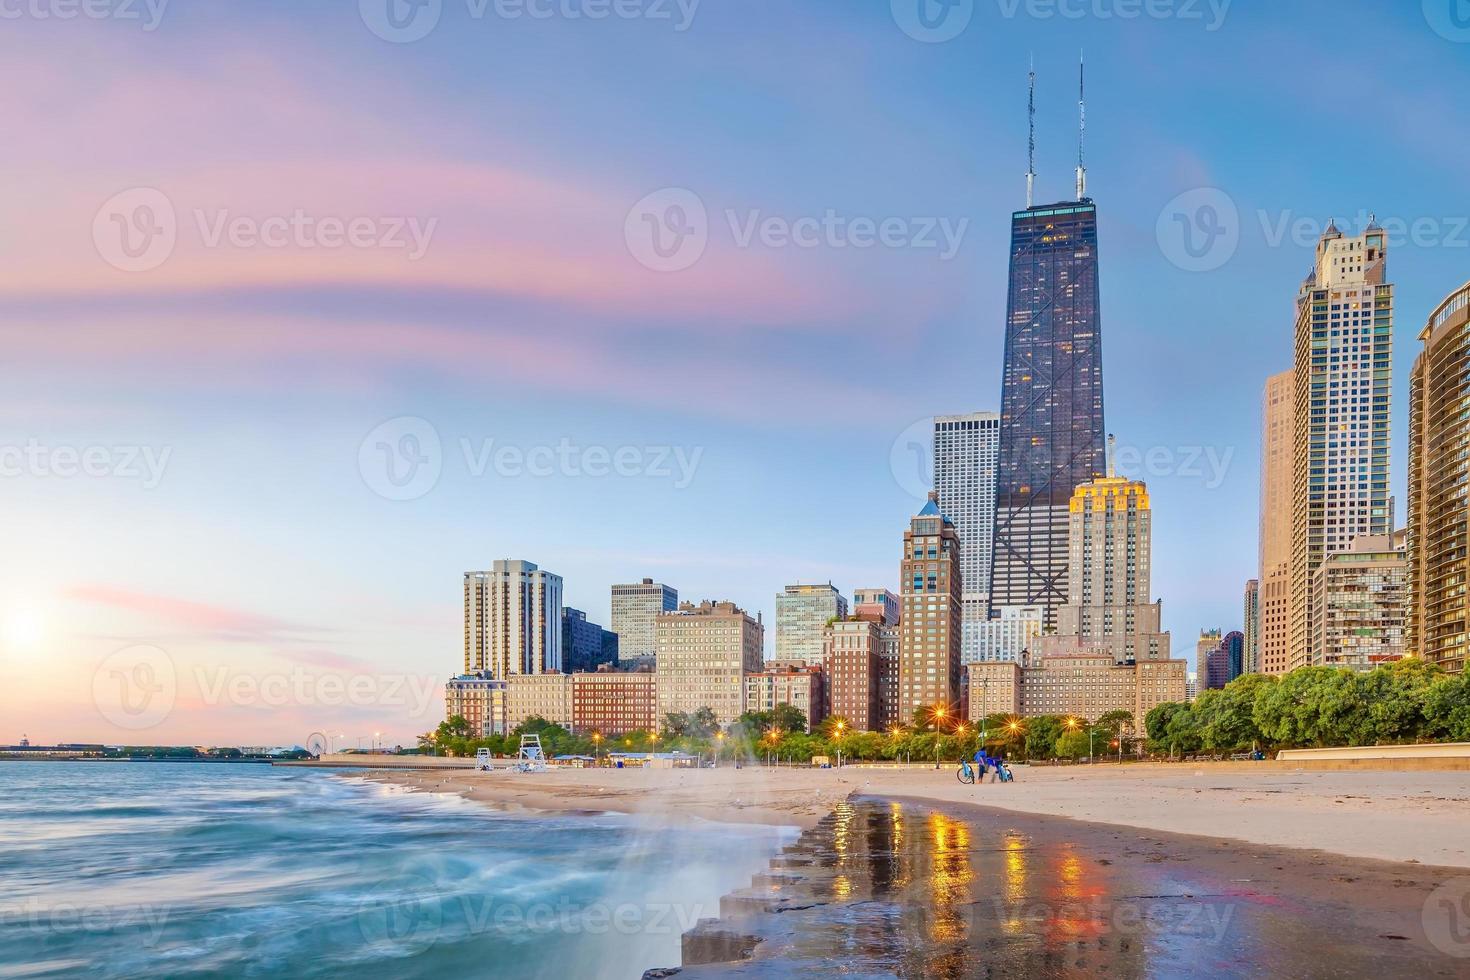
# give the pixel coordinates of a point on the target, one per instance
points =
(965, 774)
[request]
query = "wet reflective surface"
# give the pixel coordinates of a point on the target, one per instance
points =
(885, 888)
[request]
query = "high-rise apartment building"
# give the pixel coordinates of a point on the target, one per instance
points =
(1251, 609)
(512, 620)
(1343, 363)
(584, 644)
(1209, 642)
(853, 661)
(1109, 576)
(634, 609)
(802, 614)
(547, 695)
(702, 654)
(1225, 662)
(1051, 424)
(965, 452)
(879, 605)
(929, 644)
(1278, 444)
(1360, 605)
(1439, 472)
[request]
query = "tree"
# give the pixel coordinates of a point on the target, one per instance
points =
(455, 726)
(1072, 744)
(1395, 695)
(677, 724)
(703, 723)
(788, 718)
(1447, 709)
(1041, 736)
(1311, 706)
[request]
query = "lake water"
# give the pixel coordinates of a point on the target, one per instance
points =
(155, 869)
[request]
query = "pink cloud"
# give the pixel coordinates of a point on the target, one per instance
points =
(220, 622)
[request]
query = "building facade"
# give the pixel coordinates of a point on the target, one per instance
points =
(800, 687)
(614, 702)
(1009, 635)
(966, 448)
(478, 699)
(585, 645)
(1439, 472)
(1051, 425)
(1082, 686)
(1344, 372)
(1360, 605)
(1209, 642)
(880, 605)
(802, 614)
(1109, 575)
(1278, 444)
(634, 609)
(547, 696)
(1225, 661)
(853, 660)
(929, 634)
(702, 654)
(512, 620)
(1251, 609)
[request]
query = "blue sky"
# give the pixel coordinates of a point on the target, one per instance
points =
(522, 146)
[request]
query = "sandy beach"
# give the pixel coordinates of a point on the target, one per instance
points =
(1383, 815)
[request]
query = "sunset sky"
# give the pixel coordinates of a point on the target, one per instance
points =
(185, 451)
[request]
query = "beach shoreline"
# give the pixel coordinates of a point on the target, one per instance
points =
(1411, 817)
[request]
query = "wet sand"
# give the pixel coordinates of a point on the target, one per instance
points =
(895, 887)
(1393, 816)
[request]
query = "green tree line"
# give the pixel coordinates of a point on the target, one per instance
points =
(1403, 702)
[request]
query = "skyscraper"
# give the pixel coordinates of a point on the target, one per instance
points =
(929, 644)
(1344, 342)
(584, 644)
(965, 448)
(1209, 642)
(1359, 605)
(1439, 471)
(802, 613)
(512, 620)
(879, 605)
(1251, 652)
(634, 608)
(1278, 443)
(1051, 425)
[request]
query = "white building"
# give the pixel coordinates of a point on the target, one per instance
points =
(966, 448)
(634, 609)
(1007, 637)
(512, 620)
(802, 615)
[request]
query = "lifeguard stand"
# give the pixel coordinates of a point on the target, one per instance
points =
(530, 758)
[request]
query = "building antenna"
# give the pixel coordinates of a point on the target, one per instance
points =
(1082, 127)
(1031, 137)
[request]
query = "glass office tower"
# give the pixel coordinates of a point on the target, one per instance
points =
(1051, 428)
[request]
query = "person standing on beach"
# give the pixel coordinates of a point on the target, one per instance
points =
(981, 764)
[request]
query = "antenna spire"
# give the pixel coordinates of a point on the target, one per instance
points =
(1031, 137)
(1082, 126)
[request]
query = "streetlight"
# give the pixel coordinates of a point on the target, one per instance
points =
(377, 741)
(596, 747)
(839, 727)
(719, 744)
(938, 721)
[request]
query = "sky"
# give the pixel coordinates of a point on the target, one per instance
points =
(310, 308)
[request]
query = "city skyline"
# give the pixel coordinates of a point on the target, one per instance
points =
(252, 383)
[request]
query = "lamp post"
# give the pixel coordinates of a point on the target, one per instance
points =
(596, 748)
(938, 723)
(719, 744)
(839, 727)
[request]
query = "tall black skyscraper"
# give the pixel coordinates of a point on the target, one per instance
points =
(1051, 422)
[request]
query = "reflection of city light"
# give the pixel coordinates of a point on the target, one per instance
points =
(1015, 852)
(842, 829)
(949, 877)
(842, 887)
